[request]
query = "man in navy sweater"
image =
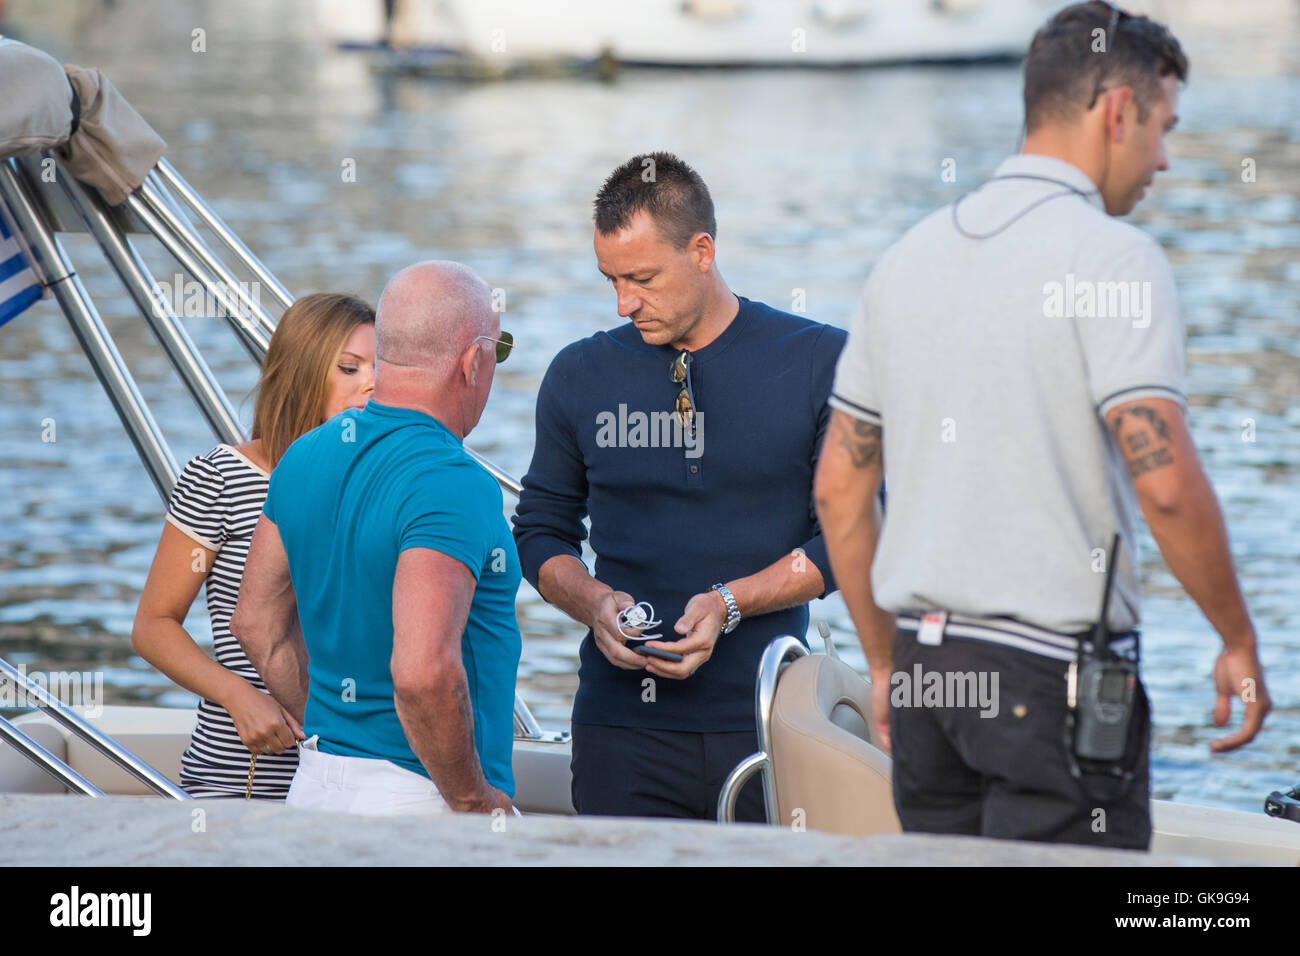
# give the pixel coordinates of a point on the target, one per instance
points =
(689, 436)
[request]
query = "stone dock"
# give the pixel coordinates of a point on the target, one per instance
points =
(147, 831)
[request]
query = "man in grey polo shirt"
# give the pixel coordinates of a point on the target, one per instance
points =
(1017, 361)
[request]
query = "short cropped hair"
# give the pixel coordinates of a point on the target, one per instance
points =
(1067, 64)
(670, 191)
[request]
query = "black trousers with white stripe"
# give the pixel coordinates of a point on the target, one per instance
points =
(1005, 775)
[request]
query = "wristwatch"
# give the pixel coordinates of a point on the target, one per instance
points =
(733, 610)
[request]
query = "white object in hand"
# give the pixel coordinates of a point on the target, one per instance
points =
(638, 617)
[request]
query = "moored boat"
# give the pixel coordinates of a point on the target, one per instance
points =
(712, 33)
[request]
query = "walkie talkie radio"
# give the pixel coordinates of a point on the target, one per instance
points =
(1101, 691)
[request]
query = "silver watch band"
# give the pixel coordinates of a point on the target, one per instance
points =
(733, 609)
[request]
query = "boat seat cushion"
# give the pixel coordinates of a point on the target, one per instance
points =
(826, 754)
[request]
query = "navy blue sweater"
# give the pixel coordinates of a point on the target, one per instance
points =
(672, 513)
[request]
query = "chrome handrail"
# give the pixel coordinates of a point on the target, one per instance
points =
(36, 752)
(172, 178)
(526, 725)
(507, 481)
(155, 194)
(89, 328)
(105, 744)
(157, 311)
(777, 655)
(159, 220)
(739, 776)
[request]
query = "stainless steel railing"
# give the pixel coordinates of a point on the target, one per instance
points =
(39, 755)
(779, 653)
(251, 323)
(223, 232)
(157, 311)
(92, 735)
(62, 280)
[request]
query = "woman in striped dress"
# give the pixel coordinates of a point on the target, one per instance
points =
(321, 361)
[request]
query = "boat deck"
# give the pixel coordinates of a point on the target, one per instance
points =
(144, 831)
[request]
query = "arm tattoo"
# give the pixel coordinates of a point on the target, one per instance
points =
(1141, 464)
(862, 443)
(1152, 417)
(1138, 441)
(1143, 451)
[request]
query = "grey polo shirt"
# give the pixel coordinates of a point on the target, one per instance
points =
(989, 363)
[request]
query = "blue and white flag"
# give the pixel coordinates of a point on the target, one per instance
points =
(19, 284)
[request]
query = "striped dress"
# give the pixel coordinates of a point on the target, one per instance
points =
(216, 502)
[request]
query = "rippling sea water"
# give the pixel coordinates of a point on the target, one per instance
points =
(813, 174)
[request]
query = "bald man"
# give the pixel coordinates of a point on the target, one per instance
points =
(378, 601)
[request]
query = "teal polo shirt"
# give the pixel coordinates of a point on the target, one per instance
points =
(348, 498)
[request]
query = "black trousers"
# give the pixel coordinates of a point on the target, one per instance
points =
(1007, 775)
(631, 772)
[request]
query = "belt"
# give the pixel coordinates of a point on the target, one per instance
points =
(1009, 632)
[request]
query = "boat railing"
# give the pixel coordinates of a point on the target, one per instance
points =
(47, 761)
(92, 735)
(780, 653)
(43, 199)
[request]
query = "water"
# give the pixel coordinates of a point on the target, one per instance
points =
(813, 175)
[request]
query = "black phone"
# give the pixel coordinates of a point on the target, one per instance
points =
(658, 652)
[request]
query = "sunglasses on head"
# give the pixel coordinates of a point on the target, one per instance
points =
(504, 344)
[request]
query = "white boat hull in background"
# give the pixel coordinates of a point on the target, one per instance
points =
(700, 32)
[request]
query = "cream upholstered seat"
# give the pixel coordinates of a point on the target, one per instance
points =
(825, 752)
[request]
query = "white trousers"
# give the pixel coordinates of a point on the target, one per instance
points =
(363, 785)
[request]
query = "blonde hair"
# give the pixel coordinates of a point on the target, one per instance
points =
(295, 375)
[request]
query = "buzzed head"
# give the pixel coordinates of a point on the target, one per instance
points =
(430, 312)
